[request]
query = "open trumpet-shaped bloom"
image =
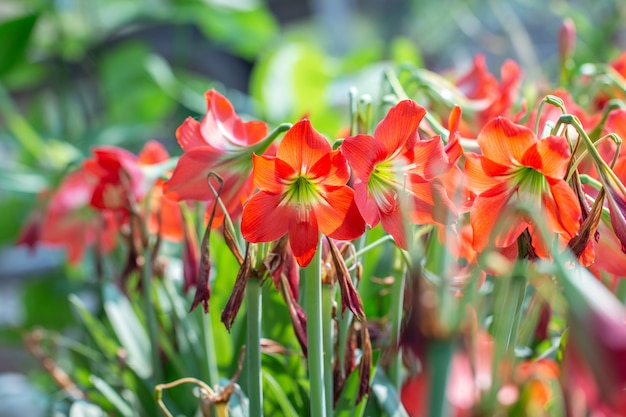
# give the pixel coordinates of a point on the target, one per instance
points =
(517, 169)
(220, 143)
(303, 192)
(393, 167)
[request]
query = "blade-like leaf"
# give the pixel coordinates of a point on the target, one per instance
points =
(114, 398)
(15, 35)
(129, 330)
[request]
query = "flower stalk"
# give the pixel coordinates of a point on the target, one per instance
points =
(253, 343)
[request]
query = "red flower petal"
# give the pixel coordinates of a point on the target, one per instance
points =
(340, 218)
(152, 153)
(189, 179)
(332, 169)
(189, 136)
(562, 208)
(550, 156)
(268, 173)
(303, 237)
(302, 146)
(399, 128)
(263, 219)
(505, 142)
(363, 152)
(367, 205)
(486, 214)
(477, 180)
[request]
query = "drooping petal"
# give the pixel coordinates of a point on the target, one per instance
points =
(562, 208)
(367, 205)
(263, 219)
(340, 218)
(429, 158)
(395, 224)
(399, 128)
(550, 156)
(303, 237)
(363, 152)
(505, 142)
(486, 215)
(477, 180)
(189, 179)
(302, 146)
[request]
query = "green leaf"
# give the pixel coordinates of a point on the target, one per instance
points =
(283, 401)
(85, 409)
(15, 35)
(386, 395)
(114, 398)
(128, 329)
(101, 336)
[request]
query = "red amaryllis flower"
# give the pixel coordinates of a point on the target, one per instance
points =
(516, 168)
(393, 166)
(69, 220)
(302, 191)
(498, 98)
(220, 143)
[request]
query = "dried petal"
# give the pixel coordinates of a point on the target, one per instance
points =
(236, 297)
(349, 295)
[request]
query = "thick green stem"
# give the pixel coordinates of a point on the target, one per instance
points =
(327, 330)
(313, 294)
(440, 358)
(395, 316)
(151, 318)
(253, 346)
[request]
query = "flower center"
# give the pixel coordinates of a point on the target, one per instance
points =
(301, 194)
(384, 187)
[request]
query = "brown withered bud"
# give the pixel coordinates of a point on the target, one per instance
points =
(239, 289)
(203, 289)
(297, 314)
(349, 295)
(280, 261)
(589, 228)
(365, 365)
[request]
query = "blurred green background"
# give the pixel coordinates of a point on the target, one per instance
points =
(79, 73)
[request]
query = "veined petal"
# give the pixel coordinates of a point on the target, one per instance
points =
(395, 225)
(263, 219)
(363, 152)
(340, 218)
(550, 156)
(429, 158)
(189, 136)
(477, 180)
(399, 128)
(505, 142)
(302, 146)
(332, 169)
(494, 169)
(268, 173)
(189, 179)
(562, 208)
(303, 238)
(486, 214)
(366, 204)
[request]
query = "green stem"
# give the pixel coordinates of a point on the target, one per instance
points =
(440, 358)
(327, 330)
(146, 283)
(313, 294)
(208, 339)
(395, 315)
(253, 346)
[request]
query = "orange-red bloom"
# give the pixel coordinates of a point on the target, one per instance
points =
(220, 143)
(393, 166)
(302, 191)
(516, 168)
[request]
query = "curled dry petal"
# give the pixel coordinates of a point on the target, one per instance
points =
(349, 295)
